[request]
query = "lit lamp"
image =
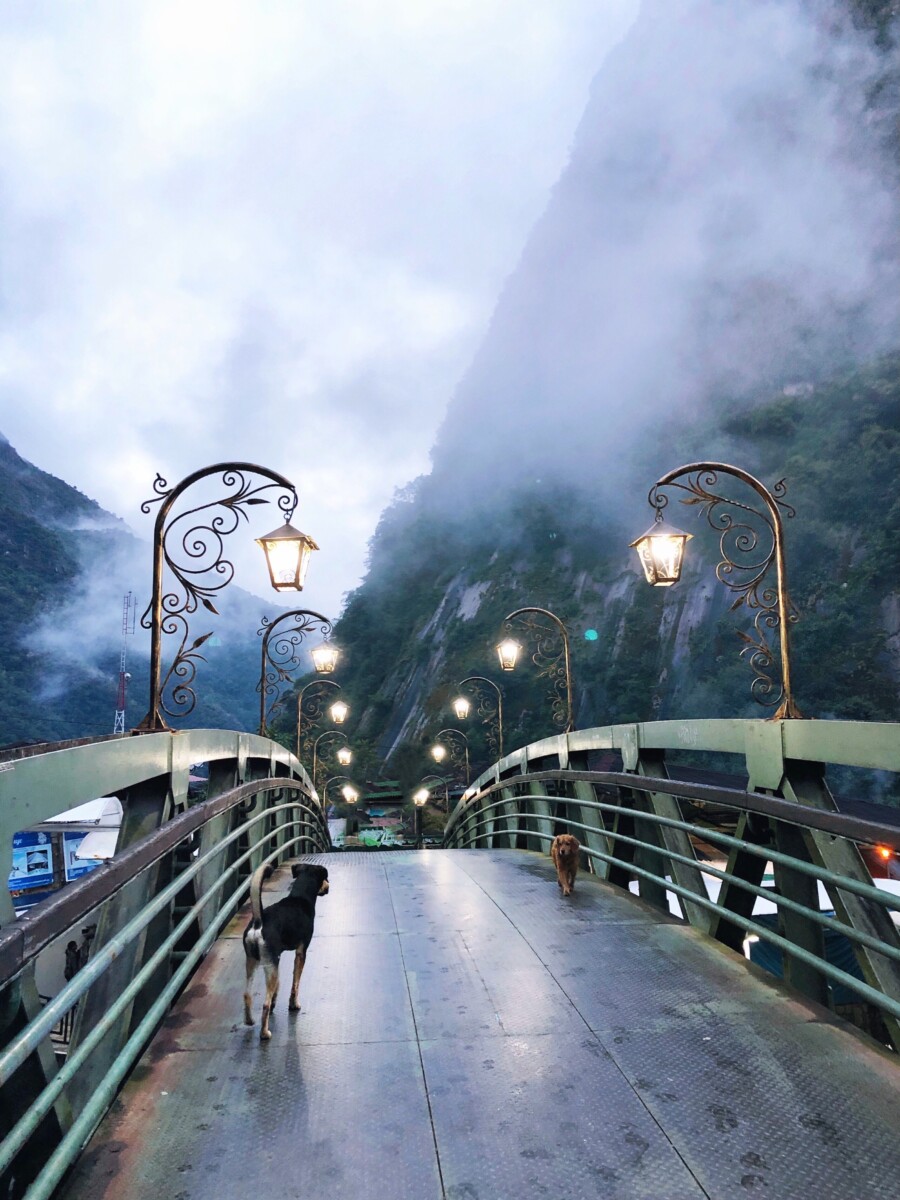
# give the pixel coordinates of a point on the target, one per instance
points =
(287, 553)
(461, 707)
(661, 551)
(345, 756)
(325, 658)
(338, 712)
(508, 653)
(438, 752)
(350, 794)
(421, 797)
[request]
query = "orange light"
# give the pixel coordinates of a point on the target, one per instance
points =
(884, 852)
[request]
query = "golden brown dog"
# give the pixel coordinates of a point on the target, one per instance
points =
(564, 852)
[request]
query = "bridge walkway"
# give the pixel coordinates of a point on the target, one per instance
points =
(467, 1033)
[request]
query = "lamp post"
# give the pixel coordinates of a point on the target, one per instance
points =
(748, 546)
(330, 733)
(444, 784)
(555, 665)
(194, 555)
(451, 733)
(488, 714)
(279, 652)
(348, 791)
(420, 799)
(313, 705)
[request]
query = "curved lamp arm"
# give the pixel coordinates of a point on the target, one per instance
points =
(457, 733)
(278, 656)
(484, 711)
(200, 572)
(548, 665)
(744, 565)
(314, 715)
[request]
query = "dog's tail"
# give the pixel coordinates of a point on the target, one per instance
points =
(256, 905)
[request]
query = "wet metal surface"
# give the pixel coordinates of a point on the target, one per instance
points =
(466, 1033)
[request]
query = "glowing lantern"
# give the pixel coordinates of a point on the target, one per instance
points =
(287, 553)
(338, 712)
(661, 551)
(508, 653)
(325, 658)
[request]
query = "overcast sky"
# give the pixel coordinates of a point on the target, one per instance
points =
(269, 231)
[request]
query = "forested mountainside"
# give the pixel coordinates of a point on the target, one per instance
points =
(715, 277)
(433, 605)
(65, 566)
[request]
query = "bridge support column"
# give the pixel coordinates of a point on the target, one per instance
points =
(145, 808)
(677, 840)
(805, 783)
(542, 819)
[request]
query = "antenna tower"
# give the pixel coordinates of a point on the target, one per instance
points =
(128, 611)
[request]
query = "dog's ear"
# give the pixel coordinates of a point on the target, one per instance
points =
(296, 869)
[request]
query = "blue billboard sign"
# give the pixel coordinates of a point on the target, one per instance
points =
(32, 862)
(76, 867)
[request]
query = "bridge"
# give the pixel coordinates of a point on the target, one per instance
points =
(466, 1031)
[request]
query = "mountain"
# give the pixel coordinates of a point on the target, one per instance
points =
(65, 567)
(716, 276)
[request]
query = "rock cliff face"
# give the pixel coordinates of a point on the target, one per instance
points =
(716, 276)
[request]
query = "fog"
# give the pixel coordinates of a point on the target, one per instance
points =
(727, 226)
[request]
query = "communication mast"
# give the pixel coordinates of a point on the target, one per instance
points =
(128, 612)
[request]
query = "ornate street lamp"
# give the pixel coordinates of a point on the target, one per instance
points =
(330, 733)
(309, 704)
(339, 712)
(748, 545)
(194, 555)
(452, 734)
(491, 717)
(280, 652)
(461, 707)
(345, 756)
(552, 663)
(325, 657)
(348, 791)
(443, 782)
(420, 799)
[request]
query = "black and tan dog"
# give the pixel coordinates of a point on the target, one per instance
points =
(287, 925)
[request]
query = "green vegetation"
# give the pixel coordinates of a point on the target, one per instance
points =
(410, 635)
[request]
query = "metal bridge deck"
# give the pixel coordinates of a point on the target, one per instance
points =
(468, 1033)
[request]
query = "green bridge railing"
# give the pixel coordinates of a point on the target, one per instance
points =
(179, 874)
(640, 826)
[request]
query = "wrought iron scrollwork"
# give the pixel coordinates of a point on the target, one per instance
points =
(750, 542)
(550, 639)
(310, 702)
(192, 549)
(281, 655)
(491, 713)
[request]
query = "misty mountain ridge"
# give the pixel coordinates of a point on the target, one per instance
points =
(716, 276)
